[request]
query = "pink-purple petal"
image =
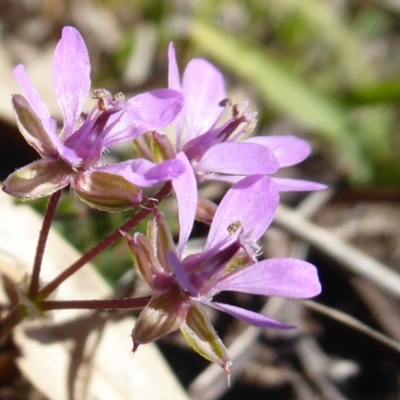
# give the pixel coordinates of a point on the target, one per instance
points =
(181, 274)
(288, 150)
(71, 77)
(185, 187)
(232, 179)
(282, 184)
(238, 159)
(297, 185)
(175, 83)
(284, 277)
(203, 88)
(69, 156)
(144, 173)
(144, 112)
(252, 201)
(251, 317)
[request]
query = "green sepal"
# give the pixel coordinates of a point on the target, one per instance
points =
(31, 127)
(152, 229)
(164, 314)
(162, 148)
(143, 145)
(38, 179)
(106, 192)
(201, 336)
(240, 261)
(164, 241)
(209, 269)
(144, 258)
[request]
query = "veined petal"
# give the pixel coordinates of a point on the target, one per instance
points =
(288, 150)
(144, 112)
(106, 191)
(201, 336)
(204, 269)
(69, 156)
(175, 83)
(286, 277)
(250, 317)
(144, 173)
(71, 77)
(251, 203)
(238, 159)
(38, 179)
(285, 184)
(203, 87)
(32, 129)
(232, 179)
(185, 187)
(164, 314)
(34, 99)
(282, 184)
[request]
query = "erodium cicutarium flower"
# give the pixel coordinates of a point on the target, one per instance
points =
(217, 150)
(182, 286)
(213, 150)
(73, 155)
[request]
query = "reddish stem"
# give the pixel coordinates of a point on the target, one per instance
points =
(112, 304)
(12, 319)
(41, 245)
(107, 242)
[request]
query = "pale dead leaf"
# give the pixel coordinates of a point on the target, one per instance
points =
(77, 355)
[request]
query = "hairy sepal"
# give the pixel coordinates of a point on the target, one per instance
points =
(107, 192)
(201, 336)
(38, 179)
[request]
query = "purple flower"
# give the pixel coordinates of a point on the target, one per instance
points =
(183, 285)
(73, 156)
(214, 148)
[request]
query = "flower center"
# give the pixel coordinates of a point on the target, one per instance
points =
(106, 101)
(241, 122)
(87, 140)
(234, 227)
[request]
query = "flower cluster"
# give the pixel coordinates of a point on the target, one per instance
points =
(204, 148)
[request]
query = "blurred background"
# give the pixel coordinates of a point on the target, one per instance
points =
(325, 70)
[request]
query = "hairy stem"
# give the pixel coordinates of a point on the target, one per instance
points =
(12, 319)
(112, 304)
(107, 242)
(41, 245)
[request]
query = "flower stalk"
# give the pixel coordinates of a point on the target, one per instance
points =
(107, 305)
(147, 208)
(12, 319)
(44, 233)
